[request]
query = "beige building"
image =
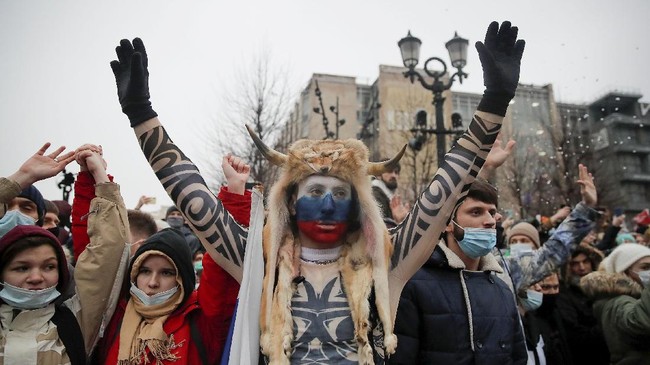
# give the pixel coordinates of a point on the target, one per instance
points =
(387, 109)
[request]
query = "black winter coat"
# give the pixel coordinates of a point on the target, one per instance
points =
(443, 309)
(586, 340)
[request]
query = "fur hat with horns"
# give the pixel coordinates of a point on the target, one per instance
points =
(364, 258)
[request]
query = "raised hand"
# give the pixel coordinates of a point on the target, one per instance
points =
(498, 155)
(587, 187)
(40, 166)
(95, 164)
(500, 57)
(236, 172)
(399, 209)
(132, 79)
(144, 200)
(81, 160)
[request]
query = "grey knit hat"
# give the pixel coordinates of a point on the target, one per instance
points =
(525, 229)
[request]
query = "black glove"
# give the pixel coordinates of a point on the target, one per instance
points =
(501, 59)
(132, 78)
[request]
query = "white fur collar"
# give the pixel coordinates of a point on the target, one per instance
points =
(380, 184)
(486, 263)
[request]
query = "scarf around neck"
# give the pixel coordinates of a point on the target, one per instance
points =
(142, 326)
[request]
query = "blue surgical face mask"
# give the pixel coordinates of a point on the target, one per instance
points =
(477, 242)
(644, 276)
(28, 299)
(150, 300)
(14, 218)
(533, 301)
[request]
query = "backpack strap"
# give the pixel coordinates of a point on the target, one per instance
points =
(197, 339)
(70, 334)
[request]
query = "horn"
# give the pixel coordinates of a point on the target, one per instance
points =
(378, 168)
(270, 154)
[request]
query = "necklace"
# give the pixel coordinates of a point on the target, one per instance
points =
(319, 262)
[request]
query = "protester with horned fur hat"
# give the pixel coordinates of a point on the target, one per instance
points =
(332, 273)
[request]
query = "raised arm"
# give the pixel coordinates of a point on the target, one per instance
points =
(98, 266)
(84, 193)
(222, 237)
(556, 250)
(415, 239)
(218, 290)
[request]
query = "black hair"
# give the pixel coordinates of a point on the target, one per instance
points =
(481, 191)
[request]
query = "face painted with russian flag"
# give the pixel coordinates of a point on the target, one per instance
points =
(323, 208)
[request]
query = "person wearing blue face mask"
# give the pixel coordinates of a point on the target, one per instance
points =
(163, 316)
(546, 337)
(456, 310)
(315, 291)
(38, 323)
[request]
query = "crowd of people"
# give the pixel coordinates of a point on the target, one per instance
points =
(331, 267)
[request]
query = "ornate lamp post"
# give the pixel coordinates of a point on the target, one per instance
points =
(410, 48)
(334, 109)
(66, 184)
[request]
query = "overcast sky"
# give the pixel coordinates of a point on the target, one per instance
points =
(57, 85)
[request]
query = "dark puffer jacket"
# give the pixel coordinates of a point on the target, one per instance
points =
(448, 315)
(584, 335)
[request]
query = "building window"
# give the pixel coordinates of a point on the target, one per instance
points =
(398, 120)
(362, 115)
(421, 118)
(624, 135)
(630, 163)
(635, 190)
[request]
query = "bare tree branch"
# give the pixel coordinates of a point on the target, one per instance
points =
(261, 97)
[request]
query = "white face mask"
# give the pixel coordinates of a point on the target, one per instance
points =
(644, 276)
(28, 299)
(150, 300)
(520, 249)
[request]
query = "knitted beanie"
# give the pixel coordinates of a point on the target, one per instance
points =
(172, 243)
(35, 196)
(24, 231)
(170, 210)
(623, 257)
(525, 229)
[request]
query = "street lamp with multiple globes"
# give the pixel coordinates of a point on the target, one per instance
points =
(410, 48)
